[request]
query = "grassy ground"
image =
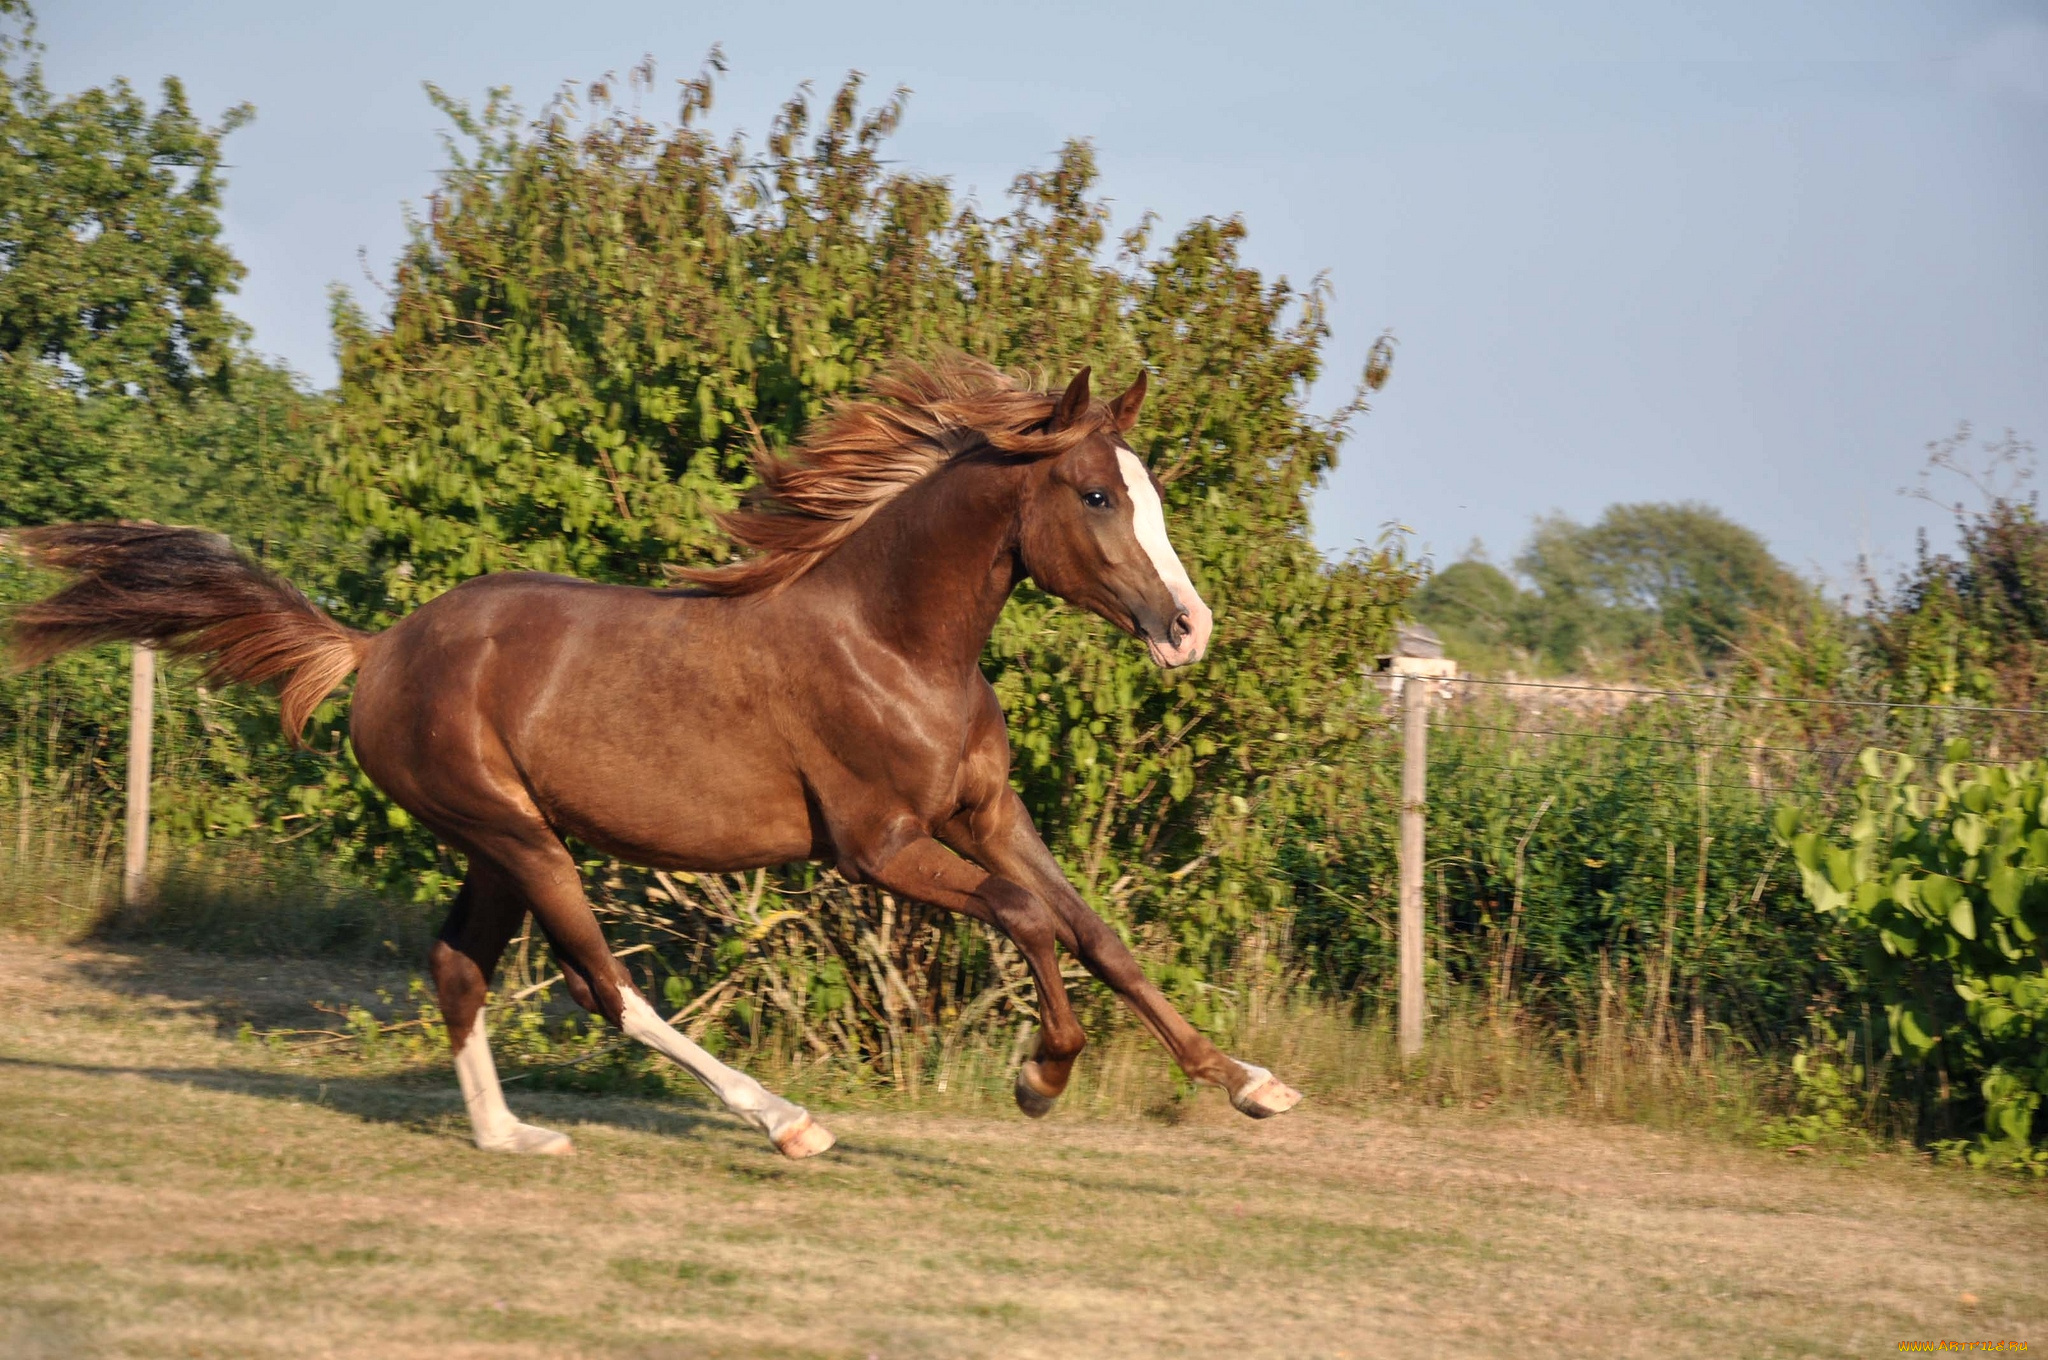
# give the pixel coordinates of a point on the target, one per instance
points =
(168, 1192)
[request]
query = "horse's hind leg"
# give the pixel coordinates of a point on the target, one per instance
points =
(486, 912)
(547, 879)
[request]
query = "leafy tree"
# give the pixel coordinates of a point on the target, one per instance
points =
(126, 386)
(1478, 611)
(1972, 625)
(598, 318)
(112, 277)
(127, 390)
(1570, 621)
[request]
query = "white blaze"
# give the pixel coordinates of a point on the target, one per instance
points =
(1148, 518)
(1148, 521)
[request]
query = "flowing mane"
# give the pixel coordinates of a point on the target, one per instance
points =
(865, 452)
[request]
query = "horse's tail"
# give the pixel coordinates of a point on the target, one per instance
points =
(190, 593)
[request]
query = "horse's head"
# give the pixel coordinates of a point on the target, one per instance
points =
(1094, 531)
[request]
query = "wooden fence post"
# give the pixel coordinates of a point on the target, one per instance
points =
(1414, 768)
(1414, 670)
(141, 725)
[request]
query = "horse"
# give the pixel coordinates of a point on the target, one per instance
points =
(818, 698)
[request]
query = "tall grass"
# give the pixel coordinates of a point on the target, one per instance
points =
(60, 859)
(61, 854)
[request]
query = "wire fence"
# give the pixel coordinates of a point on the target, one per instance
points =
(1616, 850)
(1829, 757)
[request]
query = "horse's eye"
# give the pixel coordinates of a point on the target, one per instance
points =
(1096, 500)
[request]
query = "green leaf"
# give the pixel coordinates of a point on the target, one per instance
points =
(1969, 830)
(1806, 850)
(1841, 868)
(1912, 1032)
(2037, 849)
(2007, 889)
(2002, 939)
(1939, 893)
(1962, 918)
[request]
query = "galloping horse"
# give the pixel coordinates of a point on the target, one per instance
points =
(820, 699)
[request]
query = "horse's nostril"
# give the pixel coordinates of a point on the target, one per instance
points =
(1177, 631)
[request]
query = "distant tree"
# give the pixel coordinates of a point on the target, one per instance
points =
(1568, 621)
(1474, 595)
(1686, 570)
(1478, 611)
(1642, 578)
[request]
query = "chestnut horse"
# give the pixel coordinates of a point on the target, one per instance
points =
(821, 699)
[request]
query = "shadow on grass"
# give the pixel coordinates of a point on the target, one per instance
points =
(228, 991)
(428, 1104)
(434, 1111)
(249, 903)
(154, 983)
(401, 1102)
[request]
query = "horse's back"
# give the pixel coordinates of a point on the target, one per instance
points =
(639, 720)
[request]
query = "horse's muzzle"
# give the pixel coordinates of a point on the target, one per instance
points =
(1187, 635)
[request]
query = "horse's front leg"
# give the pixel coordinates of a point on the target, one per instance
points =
(1002, 838)
(916, 866)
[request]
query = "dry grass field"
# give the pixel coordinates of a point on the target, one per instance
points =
(165, 1191)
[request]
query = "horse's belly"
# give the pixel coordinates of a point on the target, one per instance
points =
(677, 822)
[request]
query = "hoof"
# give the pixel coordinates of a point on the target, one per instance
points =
(805, 1138)
(1032, 1099)
(532, 1141)
(1263, 1095)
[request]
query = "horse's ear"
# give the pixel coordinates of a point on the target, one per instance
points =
(1073, 402)
(1124, 410)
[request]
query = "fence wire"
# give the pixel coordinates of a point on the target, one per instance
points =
(1660, 741)
(1688, 783)
(1707, 696)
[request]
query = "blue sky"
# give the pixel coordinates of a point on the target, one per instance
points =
(1751, 254)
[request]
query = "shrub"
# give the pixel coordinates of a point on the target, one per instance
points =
(1944, 885)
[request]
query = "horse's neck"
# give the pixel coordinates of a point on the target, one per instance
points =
(931, 570)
